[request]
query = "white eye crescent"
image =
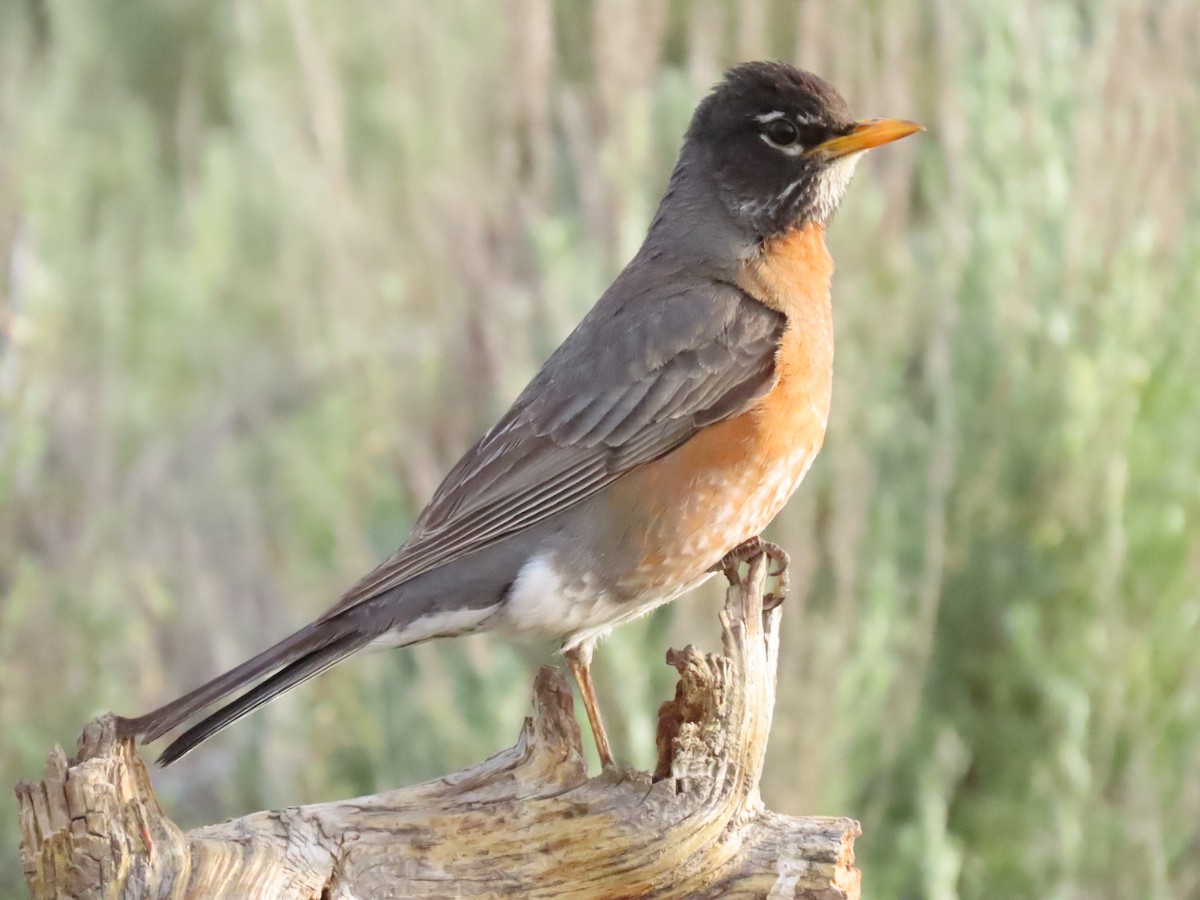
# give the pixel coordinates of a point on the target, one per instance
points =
(781, 132)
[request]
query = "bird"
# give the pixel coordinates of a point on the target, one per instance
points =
(653, 446)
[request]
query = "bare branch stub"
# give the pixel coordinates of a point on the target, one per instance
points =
(526, 823)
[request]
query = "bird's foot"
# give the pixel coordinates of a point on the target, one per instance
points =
(748, 550)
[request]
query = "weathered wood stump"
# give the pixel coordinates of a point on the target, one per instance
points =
(526, 823)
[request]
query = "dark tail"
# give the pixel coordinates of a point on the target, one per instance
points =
(313, 663)
(404, 614)
(308, 652)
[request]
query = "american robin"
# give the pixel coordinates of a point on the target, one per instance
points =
(664, 434)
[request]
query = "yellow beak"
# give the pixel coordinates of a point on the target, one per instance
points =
(867, 134)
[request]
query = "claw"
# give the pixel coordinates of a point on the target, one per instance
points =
(748, 550)
(777, 596)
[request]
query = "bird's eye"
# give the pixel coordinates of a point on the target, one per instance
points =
(782, 133)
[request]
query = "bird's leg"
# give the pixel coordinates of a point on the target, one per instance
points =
(747, 550)
(579, 660)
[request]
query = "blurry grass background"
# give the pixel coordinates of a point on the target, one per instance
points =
(266, 268)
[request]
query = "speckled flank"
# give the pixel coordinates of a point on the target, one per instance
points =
(688, 509)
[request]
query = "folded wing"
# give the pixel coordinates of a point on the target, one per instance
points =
(632, 383)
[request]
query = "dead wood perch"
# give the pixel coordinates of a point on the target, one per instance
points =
(526, 823)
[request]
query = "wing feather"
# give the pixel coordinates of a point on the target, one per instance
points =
(628, 386)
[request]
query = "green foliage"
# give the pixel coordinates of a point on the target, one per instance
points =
(268, 268)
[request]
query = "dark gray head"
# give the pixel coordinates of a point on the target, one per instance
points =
(780, 146)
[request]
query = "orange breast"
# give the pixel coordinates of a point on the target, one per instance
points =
(727, 483)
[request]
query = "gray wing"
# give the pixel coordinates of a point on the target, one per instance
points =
(634, 381)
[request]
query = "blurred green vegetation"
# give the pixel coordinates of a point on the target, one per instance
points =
(267, 268)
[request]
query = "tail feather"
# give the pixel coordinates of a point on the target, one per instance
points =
(312, 663)
(400, 618)
(154, 725)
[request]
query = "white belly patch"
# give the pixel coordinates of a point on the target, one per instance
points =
(544, 602)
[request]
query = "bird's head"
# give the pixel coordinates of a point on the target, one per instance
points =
(781, 145)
